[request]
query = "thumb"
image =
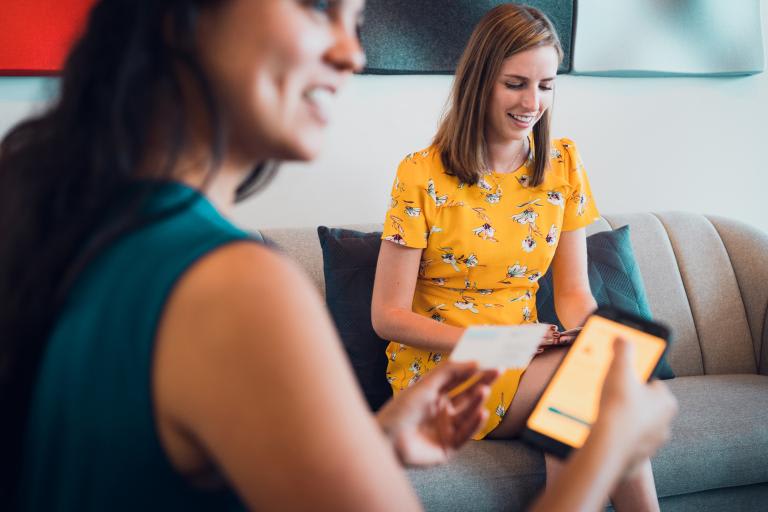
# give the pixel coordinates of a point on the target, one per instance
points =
(450, 374)
(621, 364)
(623, 351)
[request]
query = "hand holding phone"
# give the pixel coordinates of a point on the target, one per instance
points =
(639, 412)
(563, 416)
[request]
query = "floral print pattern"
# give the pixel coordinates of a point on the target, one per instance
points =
(485, 247)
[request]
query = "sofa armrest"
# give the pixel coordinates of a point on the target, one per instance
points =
(747, 248)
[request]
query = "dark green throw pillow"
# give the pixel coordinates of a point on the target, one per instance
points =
(614, 278)
(349, 266)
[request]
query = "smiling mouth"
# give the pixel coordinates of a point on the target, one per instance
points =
(321, 101)
(522, 118)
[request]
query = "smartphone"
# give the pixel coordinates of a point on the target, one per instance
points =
(563, 416)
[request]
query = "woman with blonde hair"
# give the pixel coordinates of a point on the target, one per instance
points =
(479, 216)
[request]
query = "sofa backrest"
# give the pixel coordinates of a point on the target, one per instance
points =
(699, 275)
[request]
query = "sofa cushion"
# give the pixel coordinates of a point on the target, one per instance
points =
(349, 265)
(483, 475)
(614, 278)
(719, 437)
(719, 440)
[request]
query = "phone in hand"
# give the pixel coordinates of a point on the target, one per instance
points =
(562, 418)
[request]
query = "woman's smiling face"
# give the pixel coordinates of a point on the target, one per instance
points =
(521, 94)
(275, 67)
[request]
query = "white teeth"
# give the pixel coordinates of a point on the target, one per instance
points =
(522, 119)
(322, 98)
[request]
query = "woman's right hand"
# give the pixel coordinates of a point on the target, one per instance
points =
(639, 413)
(430, 420)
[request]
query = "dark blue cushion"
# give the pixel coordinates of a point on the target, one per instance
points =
(614, 278)
(349, 265)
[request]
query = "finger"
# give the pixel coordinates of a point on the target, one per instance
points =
(622, 349)
(469, 402)
(450, 374)
(481, 380)
(470, 424)
(458, 377)
(445, 426)
(470, 398)
(622, 358)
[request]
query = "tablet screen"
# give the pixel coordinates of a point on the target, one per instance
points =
(570, 403)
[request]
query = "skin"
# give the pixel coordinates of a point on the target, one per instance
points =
(248, 396)
(243, 393)
(524, 86)
(632, 414)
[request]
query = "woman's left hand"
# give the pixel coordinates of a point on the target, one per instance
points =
(426, 423)
(556, 338)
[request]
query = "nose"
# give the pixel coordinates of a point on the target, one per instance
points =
(346, 53)
(531, 99)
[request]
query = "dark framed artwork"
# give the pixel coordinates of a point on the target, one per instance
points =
(35, 35)
(428, 36)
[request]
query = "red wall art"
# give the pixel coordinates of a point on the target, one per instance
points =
(35, 35)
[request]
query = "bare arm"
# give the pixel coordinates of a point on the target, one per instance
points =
(573, 298)
(249, 370)
(396, 274)
(588, 477)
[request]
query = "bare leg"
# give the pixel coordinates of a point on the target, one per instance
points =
(531, 386)
(637, 492)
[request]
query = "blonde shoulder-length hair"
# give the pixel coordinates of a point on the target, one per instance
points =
(504, 31)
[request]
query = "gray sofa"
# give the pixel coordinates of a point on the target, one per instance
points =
(707, 277)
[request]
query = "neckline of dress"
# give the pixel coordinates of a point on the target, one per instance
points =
(525, 163)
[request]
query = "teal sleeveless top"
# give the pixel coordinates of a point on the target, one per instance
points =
(91, 442)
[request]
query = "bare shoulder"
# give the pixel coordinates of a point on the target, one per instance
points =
(241, 268)
(234, 313)
(247, 367)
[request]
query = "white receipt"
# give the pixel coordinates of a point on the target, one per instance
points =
(496, 346)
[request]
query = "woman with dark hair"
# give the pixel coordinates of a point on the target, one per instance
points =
(479, 216)
(149, 353)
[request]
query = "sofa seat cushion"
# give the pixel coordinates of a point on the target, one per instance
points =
(720, 436)
(719, 439)
(484, 475)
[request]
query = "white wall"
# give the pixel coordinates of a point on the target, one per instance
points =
(654, 144)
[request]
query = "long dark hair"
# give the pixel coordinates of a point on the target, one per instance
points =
(64, 176)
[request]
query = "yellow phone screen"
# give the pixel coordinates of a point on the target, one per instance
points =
(570, 403)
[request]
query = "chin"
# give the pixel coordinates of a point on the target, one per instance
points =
(303, 150)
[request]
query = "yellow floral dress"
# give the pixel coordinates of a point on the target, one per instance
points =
(484, 248)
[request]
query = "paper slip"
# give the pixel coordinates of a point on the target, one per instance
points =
(496, 346)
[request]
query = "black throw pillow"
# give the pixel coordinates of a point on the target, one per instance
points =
(349, 266)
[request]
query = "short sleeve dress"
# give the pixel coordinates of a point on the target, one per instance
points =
(484, 248)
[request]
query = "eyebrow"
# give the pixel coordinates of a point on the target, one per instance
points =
(520, 77)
